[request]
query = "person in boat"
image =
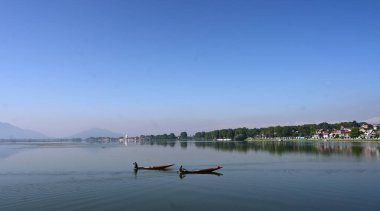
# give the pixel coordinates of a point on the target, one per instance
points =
(136, 166)
(181, 169)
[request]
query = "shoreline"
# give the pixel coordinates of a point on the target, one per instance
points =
(309, 140)
(312, 140)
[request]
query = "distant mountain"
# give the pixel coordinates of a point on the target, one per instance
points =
(96, 132)
(8, 131)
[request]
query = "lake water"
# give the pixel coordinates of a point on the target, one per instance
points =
(255, 176)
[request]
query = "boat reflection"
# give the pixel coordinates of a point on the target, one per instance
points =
(136, 172)
(182, 175)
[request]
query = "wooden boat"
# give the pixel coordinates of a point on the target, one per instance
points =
(160, 167)
(199, 171)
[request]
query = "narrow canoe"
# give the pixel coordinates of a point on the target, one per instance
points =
(160, 167)
(200, 171)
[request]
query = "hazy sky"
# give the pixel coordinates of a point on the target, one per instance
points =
(148, 67)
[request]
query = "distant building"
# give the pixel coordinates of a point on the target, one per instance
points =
(368, 131)
(366, 126)
(322, 133)
(332, 133)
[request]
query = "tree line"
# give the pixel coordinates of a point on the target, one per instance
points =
(307, 131)
(171, 136)
(239, 134)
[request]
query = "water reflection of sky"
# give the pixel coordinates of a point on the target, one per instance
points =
(255, 176)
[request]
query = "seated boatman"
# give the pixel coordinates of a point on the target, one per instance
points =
(181, 169)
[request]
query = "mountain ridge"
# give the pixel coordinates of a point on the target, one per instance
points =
(9, 131)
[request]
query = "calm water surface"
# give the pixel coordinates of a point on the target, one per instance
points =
(255, 176)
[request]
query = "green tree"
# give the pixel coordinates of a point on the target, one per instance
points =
(230, 133)
(183, 135)
(172, 136)
(324, 125)
(278, 131)
(240, 134)
(200, 135)
(355, 132)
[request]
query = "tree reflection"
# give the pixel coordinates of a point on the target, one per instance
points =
(183, 144)
(281, 147)
(357, 150)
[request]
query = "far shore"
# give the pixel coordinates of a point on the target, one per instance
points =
(311, 139)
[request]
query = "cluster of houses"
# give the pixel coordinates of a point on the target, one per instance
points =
(367, 131)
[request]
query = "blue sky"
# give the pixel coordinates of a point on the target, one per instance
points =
(149, 67)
